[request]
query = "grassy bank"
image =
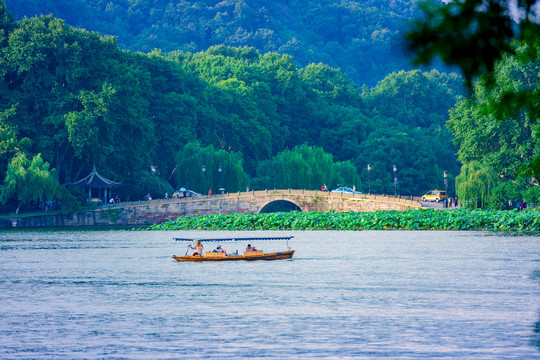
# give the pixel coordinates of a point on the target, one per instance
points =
(423, 219)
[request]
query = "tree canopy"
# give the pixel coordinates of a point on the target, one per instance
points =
(327, 31)
(497, 47)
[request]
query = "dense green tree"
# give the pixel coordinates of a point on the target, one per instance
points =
(476, 36)
(193, 158)
(253, 98)
(8, 133)
(331, 84)
(385, 148)
(142, 183)
(7, 23)
(409, 112)
(174, 99)
(505, 146)
(416, 98)
(237, 109)
(532, 195)
(77, 97)
(10, 144)
(508, 193)
(511, 146)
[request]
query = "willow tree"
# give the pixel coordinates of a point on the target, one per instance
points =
(473, 184)
(28, 181)
(304, 167)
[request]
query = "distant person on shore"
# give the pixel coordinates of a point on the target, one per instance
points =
(166, 195)
(198, 248)
(209, 192)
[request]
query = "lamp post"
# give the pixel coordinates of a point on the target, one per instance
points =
(395, 181)
(446, 189)
(369, 178)
(204, 178)
(220, 169)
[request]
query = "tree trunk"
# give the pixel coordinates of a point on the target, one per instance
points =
(60, 158)
(69, 170)
(78, 173)
(18, 208)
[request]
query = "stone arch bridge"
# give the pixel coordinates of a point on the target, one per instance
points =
(285, 200)
(141, 213)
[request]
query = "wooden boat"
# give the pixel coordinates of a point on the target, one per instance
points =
(246, 255)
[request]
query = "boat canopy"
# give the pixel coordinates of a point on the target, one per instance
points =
(236, 239)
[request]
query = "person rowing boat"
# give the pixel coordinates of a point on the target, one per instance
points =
(198, 248)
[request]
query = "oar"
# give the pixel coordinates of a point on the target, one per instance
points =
(187, 250)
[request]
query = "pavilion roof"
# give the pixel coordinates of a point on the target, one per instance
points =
(96, 181)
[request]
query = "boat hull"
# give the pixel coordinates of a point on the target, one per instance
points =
(269, 256)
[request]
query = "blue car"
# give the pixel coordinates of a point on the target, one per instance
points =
(180, 193)
(344, 189)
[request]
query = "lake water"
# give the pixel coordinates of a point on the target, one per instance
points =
(345, 295)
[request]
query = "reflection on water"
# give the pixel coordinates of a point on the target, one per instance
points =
(398, 295)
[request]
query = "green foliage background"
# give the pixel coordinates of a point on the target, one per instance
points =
(497, 48)
(499, 148)
(78, 99)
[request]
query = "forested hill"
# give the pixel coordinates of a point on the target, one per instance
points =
(362, 38)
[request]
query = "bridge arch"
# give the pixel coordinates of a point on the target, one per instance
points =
(279, 206)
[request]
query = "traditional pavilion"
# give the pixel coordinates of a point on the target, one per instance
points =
(96, 181)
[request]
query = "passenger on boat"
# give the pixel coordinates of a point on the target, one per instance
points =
(250, 248)
(219, 250)
(198, 248)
